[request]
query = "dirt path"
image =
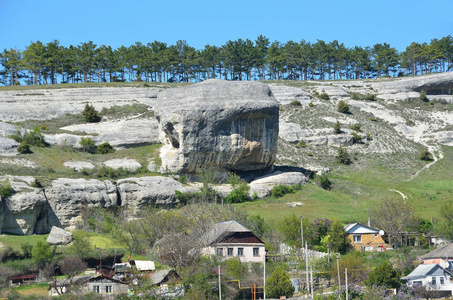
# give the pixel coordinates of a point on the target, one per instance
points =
(432, 149)
(396, 191)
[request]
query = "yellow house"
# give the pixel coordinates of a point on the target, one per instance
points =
(365, 238)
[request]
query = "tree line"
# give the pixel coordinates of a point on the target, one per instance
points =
(240, 59)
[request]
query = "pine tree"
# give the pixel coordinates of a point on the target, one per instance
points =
(279, 284)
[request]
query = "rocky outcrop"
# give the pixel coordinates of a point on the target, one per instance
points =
(24, 211)
(59, 236)
(138, 193)
(126, 164)
(8, 147)
(218, 125)
(69, 197)
(287, 94)
(432, 84)
(121, 133)
(79, 165)
(262, 186)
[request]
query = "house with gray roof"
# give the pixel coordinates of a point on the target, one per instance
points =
(433, 277)
(230, 239)
(442, 256)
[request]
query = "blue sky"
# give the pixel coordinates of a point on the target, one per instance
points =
(116, 23)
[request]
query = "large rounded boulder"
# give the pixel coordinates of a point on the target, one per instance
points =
(218, 125)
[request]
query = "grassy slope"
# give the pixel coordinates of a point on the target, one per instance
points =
(356, 191)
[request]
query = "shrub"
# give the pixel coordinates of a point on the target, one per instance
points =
(384, 275)
(33, 137)
(104, 148)
(373, 119)
(343, 107)
(90, 114)
(295, 103)
(371, 97)
(324, 182)
(88, 145)
(279, 284)
(5, 188)
(356, 138)
(324, 96)
(423, 96)
(24, 148)
(426, 155)
(343, 156)
(369, 137)
(280, 190)
(36, 184)
(239, 194)
(301, 144)
(337, 128)
(310, 104)
(356, 127)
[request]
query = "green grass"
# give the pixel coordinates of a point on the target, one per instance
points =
(355, 192)
(16, 241)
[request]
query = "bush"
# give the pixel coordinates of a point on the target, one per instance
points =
(343, 107)
(337, 128)
(343, 156)
(5, 188)
(371, 97)
(279, 284)
(384, 275)
(239, 194)
(90, 114)
(301, 144)
(36, 184)
(426, 155)
(356, 127)
(423, 96)
(104, 148)
(295, 103)
(88, 145)
(324, 182)
(373, 119)
(24, 148)
(356, 139)
(310, 104)
(33, 137)
(280, 190)
(369, 137)
(324, 96)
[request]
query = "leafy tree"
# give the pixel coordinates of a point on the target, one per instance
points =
(42, 253)
(90, 114)
(343, 156)
(81, 246)
(338, 238)
(423, 96)
(384, 275)
(279, 284)
(356, 265)
(445, 227)
(342, 107)
(290, 228)
(88, 145)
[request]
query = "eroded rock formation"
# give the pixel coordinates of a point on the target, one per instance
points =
(219, 125)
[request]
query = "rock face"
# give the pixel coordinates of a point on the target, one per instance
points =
(8, 147)
(59, 236)
(68, 197)
(219, 125)
(261, 187)
(24, 212)
(155, 190)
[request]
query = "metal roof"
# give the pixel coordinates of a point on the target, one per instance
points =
(219, 229)
(357, 228)
(144, 265)
(444, 252)
(421, 271)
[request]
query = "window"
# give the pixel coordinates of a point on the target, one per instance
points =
(419, 283)
(375, 235)
(357, 238)
(240, 251)
(108, 289)
(230, 251)
(434, 280)
(220, 251)
(256, 251)
(442, 282)
(96, 288)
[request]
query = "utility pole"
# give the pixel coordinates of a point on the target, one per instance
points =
(346, 282)
(302, 230)
(311, 283)
(220, 287)
(306, 266)
(338, 270)
(264, 276)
